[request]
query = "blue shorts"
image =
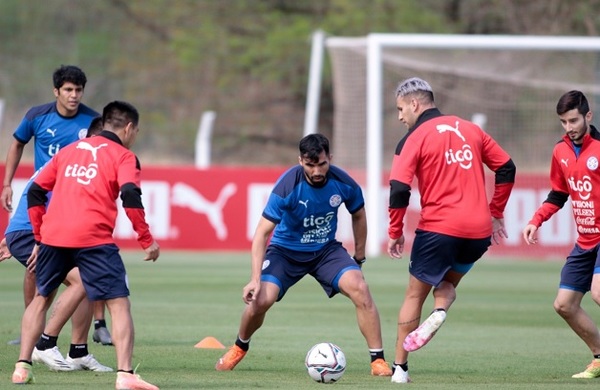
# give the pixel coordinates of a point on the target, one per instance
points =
(285, 267)
(434, 254)
(101, 268)
(579, 269)
(20, 243)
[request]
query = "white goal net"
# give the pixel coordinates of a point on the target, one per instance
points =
(508, 85)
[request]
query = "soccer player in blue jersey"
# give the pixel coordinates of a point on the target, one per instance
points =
(301, 219)
(52, 125)
(19, 242)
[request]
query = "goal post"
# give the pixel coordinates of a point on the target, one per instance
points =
(362, 62)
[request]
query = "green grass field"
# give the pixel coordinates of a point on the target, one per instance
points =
(502, 332)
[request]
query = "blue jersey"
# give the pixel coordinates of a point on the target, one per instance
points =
(52, 130)
(20, 218)
(305, 215)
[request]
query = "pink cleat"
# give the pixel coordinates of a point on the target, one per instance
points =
(420, 337)
(127, 381)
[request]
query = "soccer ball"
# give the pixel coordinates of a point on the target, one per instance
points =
(325, 363)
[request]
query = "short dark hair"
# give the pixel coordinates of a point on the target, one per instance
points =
(118, 114)
(95, 126)
(312, 146)
(573, 100)
(68, 74)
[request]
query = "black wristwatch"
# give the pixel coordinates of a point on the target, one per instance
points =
(360, 262)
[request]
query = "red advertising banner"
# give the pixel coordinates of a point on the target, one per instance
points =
(218, 209)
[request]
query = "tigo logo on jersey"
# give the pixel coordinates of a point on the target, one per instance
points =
(318, 221)
(463, 157)
(84, 175)
(583, 187)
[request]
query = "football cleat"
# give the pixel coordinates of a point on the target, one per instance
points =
(127, 381)
(102, 336)
(380, 368)
(400, 376)
(592, 371)
(88, 362)
(424, 333)
(52, 358)
(231, 358)
(22, 374)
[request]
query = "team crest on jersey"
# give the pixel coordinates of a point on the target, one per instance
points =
(82, 133)
(592, 163)
(335, 200)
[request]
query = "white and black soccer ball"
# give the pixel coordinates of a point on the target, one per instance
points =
(325, 363)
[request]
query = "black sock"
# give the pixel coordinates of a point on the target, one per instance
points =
(438, 309)
(78, 350)
(46, 342)
(376, 355)
(596, 356)
(99, 324)
(24, 361)
(129, 371)
(403, 366)
(244, 346)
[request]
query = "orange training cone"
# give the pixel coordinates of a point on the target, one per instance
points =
(210, 343)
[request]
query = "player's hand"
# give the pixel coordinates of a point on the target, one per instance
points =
(498, 230)
(32, 260)
(6, 198)
(250, 291)
(529, 234)
(152, 252)
(4, 252)
(396, 247)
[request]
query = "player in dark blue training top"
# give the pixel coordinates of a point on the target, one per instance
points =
(301, 214)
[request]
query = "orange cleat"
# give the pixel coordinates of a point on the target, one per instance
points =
(380, 368)
(231, 358)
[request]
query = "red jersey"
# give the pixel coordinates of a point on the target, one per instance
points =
(575, 176)
(85, 179)
(447, 155)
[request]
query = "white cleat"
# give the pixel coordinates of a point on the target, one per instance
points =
(52, 358)
(88, 362)
(400, 376)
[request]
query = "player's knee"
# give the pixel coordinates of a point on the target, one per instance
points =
(595, 296)
(564, 309)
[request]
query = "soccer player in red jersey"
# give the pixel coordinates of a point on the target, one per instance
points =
(447, 155)
(573, 173)
(86, 178)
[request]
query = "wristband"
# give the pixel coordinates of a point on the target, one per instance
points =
(359, 262)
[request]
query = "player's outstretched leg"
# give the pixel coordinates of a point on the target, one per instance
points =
(592, 371)
(425, 332)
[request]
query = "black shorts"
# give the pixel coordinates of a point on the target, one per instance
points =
(20, 243)
(434, 254)
(101, 268)
(285, 267)
(579, 269)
